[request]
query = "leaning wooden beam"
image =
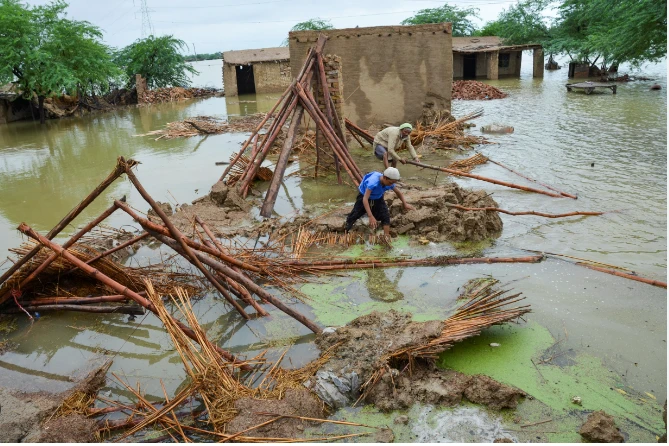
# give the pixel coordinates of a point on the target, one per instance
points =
(45, 264)
(656, 283)
(354, 129)
(120, 309)
(281, 164)
(479, 177)
(117, 172)
(540, 214)
(248, 283)
(564, 194)
(179, 237)
(27, 230)
(252, 170)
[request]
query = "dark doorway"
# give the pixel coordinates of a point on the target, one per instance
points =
(245, 80)
(469, 66)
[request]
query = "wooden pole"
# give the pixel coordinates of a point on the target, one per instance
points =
(117, 172)
(281, 164)
(115, 285)
(355, 129)
(39, 301)
(179, 237)
(255, 133)
(564, 194)
(248, 283)
(45, 264)
(252, 170)
(120, 309)
(149, 225)
(541, 214)
(656, 283)
(362, 264)
(479, 177)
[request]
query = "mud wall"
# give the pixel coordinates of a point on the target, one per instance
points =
(513, 70)
(229, 80)
(271, 77)
(389, 72)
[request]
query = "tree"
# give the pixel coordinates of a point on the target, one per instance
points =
(47, 54)
(158, 60)
(523, 23)
(460, 18)
(316, 24)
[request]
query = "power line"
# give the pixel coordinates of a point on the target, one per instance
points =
(146, 20)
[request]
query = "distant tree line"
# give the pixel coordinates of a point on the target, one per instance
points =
(203, 56)
(46, 54)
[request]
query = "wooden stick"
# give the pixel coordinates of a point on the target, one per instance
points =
(45, 264)
(564, 194)
(249, 284)
(335, 265)
(479, 177)
(78, 300)
(656, 283)
(179, 237)
(355, 129)
(281, 164)
(155, 227)
(116, 286)
(117, 172)
(120, 309)
(540, 214)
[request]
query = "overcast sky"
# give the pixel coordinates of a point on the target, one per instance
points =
(235, 25)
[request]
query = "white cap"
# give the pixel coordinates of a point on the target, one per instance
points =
(392, 173)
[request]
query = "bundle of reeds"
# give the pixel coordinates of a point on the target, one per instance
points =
(484, 309)
(467, 164)
(239, 169)
(205, 125)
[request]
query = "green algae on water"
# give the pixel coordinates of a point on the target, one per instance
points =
(552, 385)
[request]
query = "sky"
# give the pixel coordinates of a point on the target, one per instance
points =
(208, 26)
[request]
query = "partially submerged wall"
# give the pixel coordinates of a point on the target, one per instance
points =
(271, 77)
(229, 80)
(389, 72)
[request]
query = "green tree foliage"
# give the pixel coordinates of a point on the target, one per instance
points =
(522, 23)
(158, 60)
(459, 17)
(47, 54)
(594, 31)
(316, 24)
(492, 28)
(632, 31)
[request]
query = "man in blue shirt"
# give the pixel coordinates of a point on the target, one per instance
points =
(370, 199)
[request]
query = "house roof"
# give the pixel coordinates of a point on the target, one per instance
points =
(244, 57)
(484, 44)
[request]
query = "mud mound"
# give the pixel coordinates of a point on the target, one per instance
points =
(363, 343)
(20, 413)
(432, 219)
(68, 429)
(298, 402)
(366, 339)
(429, 385)
(600, 428)
(474, 90)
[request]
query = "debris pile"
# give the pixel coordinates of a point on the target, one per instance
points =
(475, 90)
(171, 94)
(444, 132)
(205, 125)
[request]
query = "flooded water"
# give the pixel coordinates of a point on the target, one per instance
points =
(611, 150)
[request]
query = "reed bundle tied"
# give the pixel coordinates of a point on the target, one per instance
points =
(448, 134)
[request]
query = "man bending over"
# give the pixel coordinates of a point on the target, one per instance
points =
(370, 199)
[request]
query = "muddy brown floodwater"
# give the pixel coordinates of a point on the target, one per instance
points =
(591, 335)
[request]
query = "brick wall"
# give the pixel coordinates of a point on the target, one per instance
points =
(229, 80)
(389, 72)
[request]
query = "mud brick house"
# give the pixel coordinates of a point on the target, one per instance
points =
(388, 74)
(487, 58)
(265, 70)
